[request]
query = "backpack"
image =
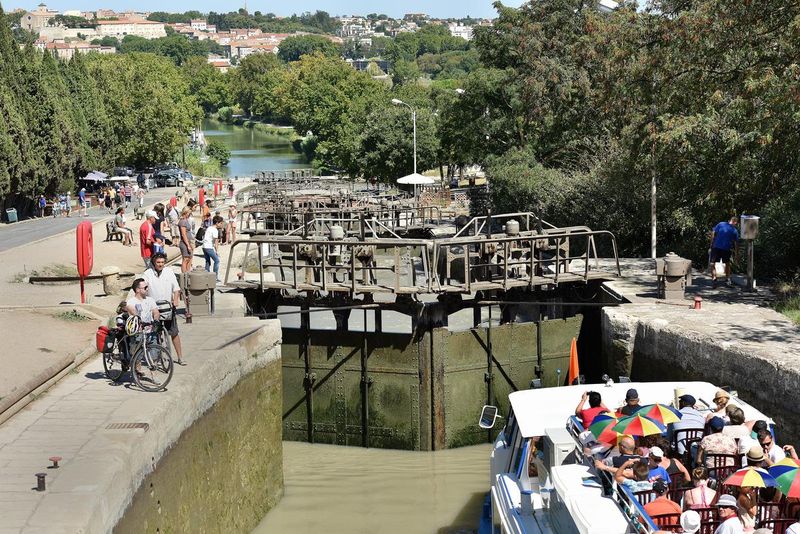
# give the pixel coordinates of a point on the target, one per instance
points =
(201, 233)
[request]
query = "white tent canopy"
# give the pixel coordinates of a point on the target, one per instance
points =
(95, 176)
(416, 179)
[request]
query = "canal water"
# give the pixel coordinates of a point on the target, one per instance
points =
(350, 490)
(252, 149)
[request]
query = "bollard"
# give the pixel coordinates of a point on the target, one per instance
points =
(111, 282)
(55, 460)
(40, 481)
(698, 302)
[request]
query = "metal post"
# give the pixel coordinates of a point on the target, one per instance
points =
(414, 120)
(489, 369)
(308, 382)
(750, 274)
(539, 371)
(364, 387)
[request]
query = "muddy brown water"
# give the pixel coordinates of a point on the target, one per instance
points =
(335, 489)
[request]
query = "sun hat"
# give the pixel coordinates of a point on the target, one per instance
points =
(722, 394)
(656, 452)
(755, 454)
(631, 394)
(690, 521)
(727, 501)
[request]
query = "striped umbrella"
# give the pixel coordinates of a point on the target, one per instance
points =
(639, 425)
(785, 474)
(661, 412)
(751, 477)
(601, 428)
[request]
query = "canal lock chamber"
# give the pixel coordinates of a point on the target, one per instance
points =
(418, 375)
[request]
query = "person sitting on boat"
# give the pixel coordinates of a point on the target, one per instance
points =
(673, 466)
(654, 463)
(595, 407)
(690, 522)
(721, 400)
(747, 502)
(727, 509)
(756, 458)
(772, 451)
(715, 443)
(631, 405)
(736, 427)
(633, 474)
(661, 504)
(690, 419)
(616, 457)
(700, 496)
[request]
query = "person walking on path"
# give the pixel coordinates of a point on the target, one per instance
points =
(82, 202)
(186, 239)
(163, 286)
(724, 246)
(128, 192)
(42, 205)
(230, 189)
(147, 235)
(108, 201)
(211, 244)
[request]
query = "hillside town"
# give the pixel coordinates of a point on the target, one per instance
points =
(73, 31)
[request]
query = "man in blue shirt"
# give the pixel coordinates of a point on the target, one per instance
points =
(724, 245)
(82, 201)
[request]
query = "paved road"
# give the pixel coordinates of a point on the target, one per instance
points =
(21, 233)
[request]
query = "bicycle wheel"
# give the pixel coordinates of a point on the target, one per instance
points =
(114, 365)
(154, 372)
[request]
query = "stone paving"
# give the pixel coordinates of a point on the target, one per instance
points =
(101, 468)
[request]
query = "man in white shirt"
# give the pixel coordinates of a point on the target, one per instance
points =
(163, 286)
(730, 523)
(140, 304)
(691, 419)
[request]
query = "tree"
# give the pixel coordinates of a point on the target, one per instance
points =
(252, 84)
(293, 48)
(219, 152)
(211, 88)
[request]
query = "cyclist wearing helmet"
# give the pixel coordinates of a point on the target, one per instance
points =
(163, 286)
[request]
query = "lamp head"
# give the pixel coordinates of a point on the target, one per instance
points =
(397, 102)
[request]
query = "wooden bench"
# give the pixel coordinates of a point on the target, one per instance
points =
(113, 233)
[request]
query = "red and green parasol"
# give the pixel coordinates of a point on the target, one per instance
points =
(661, 412)
(601, 428)
(785, 473)
(639, 425)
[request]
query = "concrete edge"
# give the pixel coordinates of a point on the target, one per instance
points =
(256, 349)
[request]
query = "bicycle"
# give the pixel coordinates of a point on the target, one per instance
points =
(151, 363)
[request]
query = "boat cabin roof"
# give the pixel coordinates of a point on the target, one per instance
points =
(538, 409)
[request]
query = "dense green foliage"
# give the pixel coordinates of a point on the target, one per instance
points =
(59, 120)
(292, 48)
(71, 21)
(219, 152)
(179, 48)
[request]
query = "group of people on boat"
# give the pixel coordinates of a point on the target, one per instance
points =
(676, 475)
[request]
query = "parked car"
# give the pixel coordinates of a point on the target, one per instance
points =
(166, 178)
(185, 178)
(123, 171)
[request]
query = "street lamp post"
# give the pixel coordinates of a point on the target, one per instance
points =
(398, 102)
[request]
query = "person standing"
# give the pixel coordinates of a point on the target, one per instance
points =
(68, 206)
(140, 197)
(172, 220)
(163, 286)
(230, 188)
(128, 192)
(147, 236)
(211, 244)
(186, 239)
(230, 229)
(724, 246)
(42, 205)
(82, 202)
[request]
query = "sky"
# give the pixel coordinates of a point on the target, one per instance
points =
(438, 8)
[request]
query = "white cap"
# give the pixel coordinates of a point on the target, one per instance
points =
(151, 213)
(690, 521)
(656, 452)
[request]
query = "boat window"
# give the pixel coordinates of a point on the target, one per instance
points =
(515, 442)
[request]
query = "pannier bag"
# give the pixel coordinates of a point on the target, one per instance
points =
(104, 339)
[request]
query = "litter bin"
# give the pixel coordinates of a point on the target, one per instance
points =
(111, 281)
(11, 215)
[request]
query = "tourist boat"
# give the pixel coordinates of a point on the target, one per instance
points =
(569, 495)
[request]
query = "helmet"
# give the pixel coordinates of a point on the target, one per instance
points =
(133, 325)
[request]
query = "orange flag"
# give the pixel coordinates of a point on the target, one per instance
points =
(574, 369)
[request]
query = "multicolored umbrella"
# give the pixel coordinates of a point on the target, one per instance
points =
(785, 473)
(661, 412)
(751, 477)
(601, 428)
(639, 425)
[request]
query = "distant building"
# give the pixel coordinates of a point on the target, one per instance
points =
(66, 51)
(199, 24)
(415, 16)
(459, 30)
(119, 28)
(220, 63)
(33, 20)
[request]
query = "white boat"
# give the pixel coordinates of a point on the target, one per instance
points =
(558, 500)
